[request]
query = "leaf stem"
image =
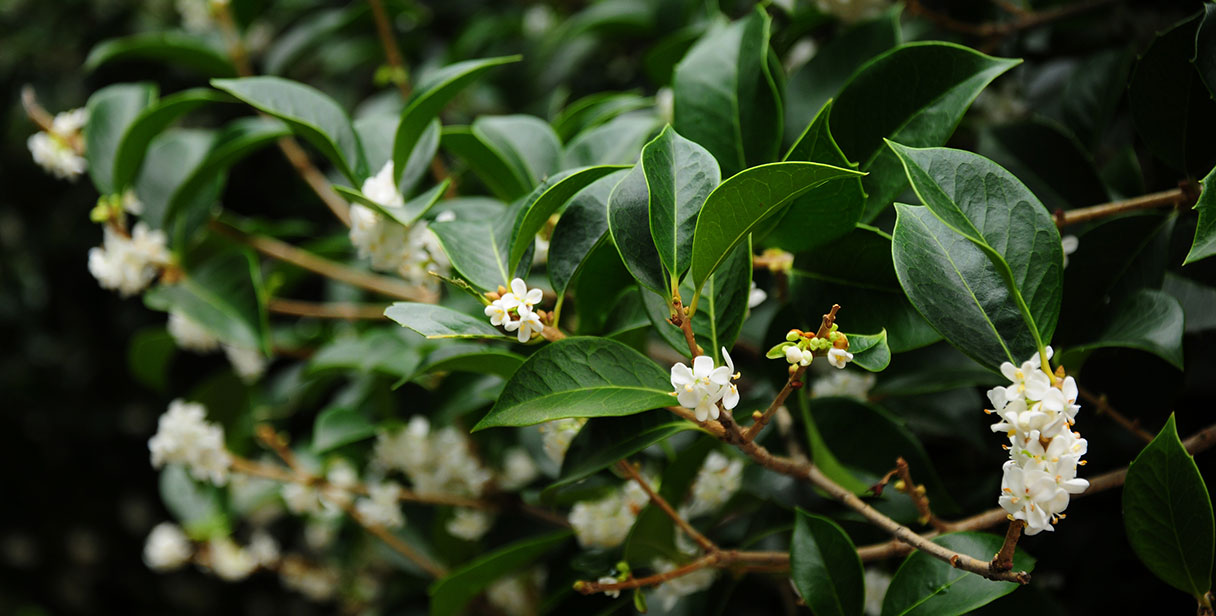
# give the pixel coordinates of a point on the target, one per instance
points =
(660, 502)
(1185, 194)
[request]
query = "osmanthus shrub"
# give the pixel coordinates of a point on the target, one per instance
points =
(720, 331)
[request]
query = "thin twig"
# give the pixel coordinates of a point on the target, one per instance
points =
(762, 419)
(917, 493)
(391, 52)
(45, 121)
(1166, 198)
(720, 559)
(1103, 407)
(666, 507)
(333, 310)
(1003, 561)
(1025, 20)
(285, 252)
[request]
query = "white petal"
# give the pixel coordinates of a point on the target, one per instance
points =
(702, 366)
(720, 375)
(726, 358)
(534, 296)
(703, 408)
(731, 398)
(689, 399)
(519, 288)
(680, 375)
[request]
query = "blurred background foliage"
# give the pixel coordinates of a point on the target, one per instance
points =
(81, 495)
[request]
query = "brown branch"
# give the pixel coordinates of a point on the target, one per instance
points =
(391, 52)
(666, 507)
(916, 492)
(45, 121)
(762, 419)
(285, 252)
(334, 310)
(1184, 195)
(994, 31)
(432, 568)
(720, 559)
(1003, 561)
(1103, 407)
(680, 318)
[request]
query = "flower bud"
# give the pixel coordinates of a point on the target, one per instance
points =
(793, 335)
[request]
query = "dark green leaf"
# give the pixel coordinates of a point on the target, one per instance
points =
(594, 110)
(112, 110)
(619, 142)
(380, 351)
(926, 586)
(310, 34)
(821, 78)
(742, 202)
(726, 99)
(525, 142)
(490, 166)
(718, 322)
(1204, 245)
(174, 48)
(429, 99)
(438, 322)
(870, 351)
(376, 135)
(604, 440)
(976, 199)
(477, 359)
(450, 594)
(580, 229)
(679, 176)
(1172, 110)
(1150, 320)
(310, 113)
(1196, 299)
(914, 94)
(148, 124)
(148, 357)
(553, 194)
(580, 377)
(340, 426)
(222, 295)
(195, 505)
(478, 252)
(172, 159)
(1168, 514)
(822, 455)
(629, 226)
(1050, 161)
(825, 568)
(828, 211)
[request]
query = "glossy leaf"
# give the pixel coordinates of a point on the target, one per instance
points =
(870, 352)
(112, 110)
(831, 209)
(439, 322)
(924, 585)
(742, 202)
(825, 568)
(618, 142)
(478, 252)
(450, 594)
(174, 48)
(580, 377)
(726, 99)
(604, 440)
(1196, 299)
(595, 110)
(378, 351)
(406, 214)
(629, 226)
(173, 158)
(915, 94)
(150, 123)
(376, 136)
(1204, 244)
(1169, 104)
(430, 97)
(490, 166)
(222, 295)
(338, 426)
(822, 77)
(1167, 513)
(1054, 166)
(550, 197)
(679, 176)
(1149, 320)
(527, 144)
(1022, 260)
(310, 113)
(474, 358)
(580, 229)
(719, 320)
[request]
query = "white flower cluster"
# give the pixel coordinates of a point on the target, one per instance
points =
(391, 246)
(230, 561)
(469, 524)
(197, 15)
(852, 10)
(436, 461)
(670, 592)
(716, 482)
(1037, 412)
(249, 364)
(519, 594)
(328, 499)
(129, 264)
(558, 434)
(53, 150)
(513, 311)
(606, 522)
(703, 387)
(381, 507)
(316, 583)
(167, 548)
(518, 469)
(843, 383)
(184, 436)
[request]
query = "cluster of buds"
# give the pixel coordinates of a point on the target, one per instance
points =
(513, 310)
(800, 348)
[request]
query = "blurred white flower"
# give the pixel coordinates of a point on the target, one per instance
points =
(381, 506)
(129, 264)
(230, 561)
(469, 524)
(189, 335)
(716, 482)
(184, 436)
(167, 548)
(558, 434)
(670, 592)
(606, 522)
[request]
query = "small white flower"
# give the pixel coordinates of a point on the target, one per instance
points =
(839, 357)
(436, 461)
(381, 507)
(167, 548)
(606, 522)
(70, 122)
(230, 561)
(184, 436)
(469, 524)
(264, 548)
(527, 325)
(701, 388)
(1069, 244)
(716, 482)
(525, 296)
(55, 156)
(381, 188)
(189, 335)
(845, 384)
(249, 364)
(514, 595)
(755, 296)
(497, 313)
(316, 583)
(608, 579)
(300, 499)
(558, 434)
(518, 469)
(129, 264)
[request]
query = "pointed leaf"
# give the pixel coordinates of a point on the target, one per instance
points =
(870, 352)
(174, 48)
(1150, 321)
(439, 322)
(743, 201)
(112, 110)
(430, 97)
(825, 568)
(476, 251)
(719, 320)
(580, 377)
(222, 295)
(581, 228)
(1167, 513)
(310, 113)
(527, 143)
(148, 124)
(450, 594)
(926, 586)
(173, 158)
(490, 165)
(679, 176)
(340, 426)
(555, 193)
(629, 226)
(619, 142)
(1204, 244)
